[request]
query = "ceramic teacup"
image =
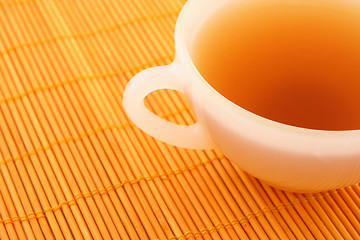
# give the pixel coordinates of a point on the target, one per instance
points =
(284, 156)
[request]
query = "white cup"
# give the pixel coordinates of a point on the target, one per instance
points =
(288, 157)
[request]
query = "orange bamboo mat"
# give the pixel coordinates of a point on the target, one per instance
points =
(72, 165)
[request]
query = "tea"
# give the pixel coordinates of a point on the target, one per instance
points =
(295, 65)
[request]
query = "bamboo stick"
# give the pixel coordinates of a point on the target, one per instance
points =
(13, 228)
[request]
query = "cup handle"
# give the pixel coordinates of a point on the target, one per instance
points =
(147, 81)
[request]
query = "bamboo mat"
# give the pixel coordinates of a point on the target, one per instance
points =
(72, 165)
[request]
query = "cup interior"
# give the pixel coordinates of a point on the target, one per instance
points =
(332, 80)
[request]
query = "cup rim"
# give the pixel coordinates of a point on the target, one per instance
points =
(182, 55)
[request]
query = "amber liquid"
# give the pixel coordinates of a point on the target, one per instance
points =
(294, 65)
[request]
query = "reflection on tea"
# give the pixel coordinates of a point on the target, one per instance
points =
(298, 66)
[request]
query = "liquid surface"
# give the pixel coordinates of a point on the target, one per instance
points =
(295, 65)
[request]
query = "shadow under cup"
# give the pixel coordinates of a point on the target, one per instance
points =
(294, 65)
